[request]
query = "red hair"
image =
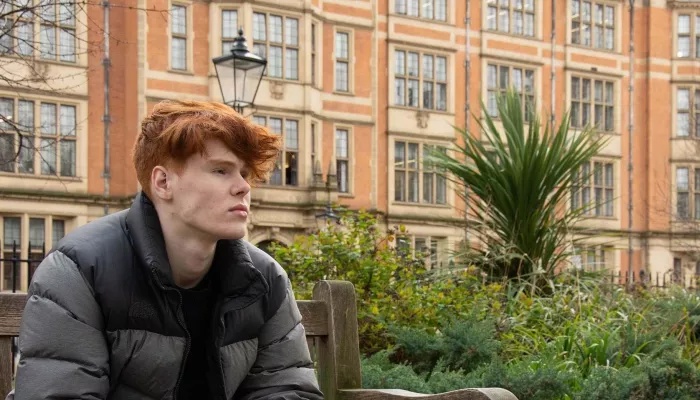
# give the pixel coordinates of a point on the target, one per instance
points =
(176, 130)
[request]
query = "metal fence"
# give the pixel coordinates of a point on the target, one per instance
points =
(12, 263)
(659, 280)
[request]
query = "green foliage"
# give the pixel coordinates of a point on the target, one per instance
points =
(392, 287)
(519, 179)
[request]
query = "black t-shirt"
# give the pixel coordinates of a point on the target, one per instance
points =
(197, 306)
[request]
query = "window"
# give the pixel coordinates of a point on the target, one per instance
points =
(597, 106)
(13, 246)
(57, 34)
(688, 112)
(313, 54)
(428, 9)
(277, 38)
(593, 24)
(514, 16)
(420, 85)
(342, 159)
(594, 196)
(687, 195)
(286, 170)
(416, 181)
(54, 140)
(677, 271)
(595, 258)
(178, 41)
(688, 42)
(342, 61)
(501, 78)
(229, 30)
(432, 247)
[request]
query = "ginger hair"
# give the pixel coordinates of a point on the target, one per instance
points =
(176, 130)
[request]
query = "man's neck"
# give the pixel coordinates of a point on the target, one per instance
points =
(190, 256)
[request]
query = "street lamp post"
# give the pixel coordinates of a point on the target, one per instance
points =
(239, 74)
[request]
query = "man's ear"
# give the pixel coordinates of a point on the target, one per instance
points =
(161, 183)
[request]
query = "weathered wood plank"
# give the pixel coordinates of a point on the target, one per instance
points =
(339, 352)
(11, 305)
(6, 372)
(398, 394)
(314, 317)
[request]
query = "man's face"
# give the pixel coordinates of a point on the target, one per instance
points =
(210, 194)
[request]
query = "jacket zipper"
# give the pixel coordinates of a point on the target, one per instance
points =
(182, 324)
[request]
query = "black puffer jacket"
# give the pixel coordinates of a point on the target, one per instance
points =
(103, 320)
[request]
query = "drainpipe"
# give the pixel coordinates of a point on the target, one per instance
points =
(106, 117)
(630, 127)
(467, 108)
(552, 77)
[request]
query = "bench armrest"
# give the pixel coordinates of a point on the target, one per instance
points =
(399, 394)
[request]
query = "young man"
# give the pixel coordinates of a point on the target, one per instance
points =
(166, 300)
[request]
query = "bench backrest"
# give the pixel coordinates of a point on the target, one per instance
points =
(330, 321)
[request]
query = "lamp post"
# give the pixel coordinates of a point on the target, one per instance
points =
(239, 74)
(327, 215)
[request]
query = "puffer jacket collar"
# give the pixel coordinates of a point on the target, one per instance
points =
(232, 267)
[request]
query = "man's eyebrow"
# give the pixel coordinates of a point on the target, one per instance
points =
(222, 161)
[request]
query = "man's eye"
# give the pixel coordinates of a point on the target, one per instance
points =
(219, 171)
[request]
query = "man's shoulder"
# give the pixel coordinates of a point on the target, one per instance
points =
(263, 262)
(95, 240)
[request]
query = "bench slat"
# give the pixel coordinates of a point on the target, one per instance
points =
(11, 305)
(314, 315)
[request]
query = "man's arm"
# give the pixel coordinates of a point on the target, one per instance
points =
(283, 369)
(63, 352)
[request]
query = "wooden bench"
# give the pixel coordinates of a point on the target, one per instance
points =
(330, 320)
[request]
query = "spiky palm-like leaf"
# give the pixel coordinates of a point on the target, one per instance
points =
(519, 179)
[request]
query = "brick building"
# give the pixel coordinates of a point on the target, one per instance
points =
(363, 87)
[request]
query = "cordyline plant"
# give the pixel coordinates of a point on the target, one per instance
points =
(519, 179)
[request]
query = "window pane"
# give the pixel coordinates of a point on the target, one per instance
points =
(428, 95)
(26, 155)
(412, 161)
(413, 93)
(25, 38)
(399, 92)
(259, 29)
(608, 175)
(400, 155)
(609, 93)
(683, 99)
(292, 31)
(682, 205)
(428, 187)
(492, 103)
(341, 143)
(400, 67)
(275, 29)
(684, 24)
(413, 64)
(229, 24)
(682, 178)
(609, 38)
(291, 134)
(503, 77)
(529, 81)
(47, 36)
(441, 190)
(503, 20)
(491, 18)
(48, 119)
(441, 96)
(58, 230)
(12, 232)
(7, 153)
(341, 45)
(343, 176)
(598, 91)
(260, 120)
(275, 62)
(276, 125)
(441, 10)
(400, 6)
(697, 206)
(441, 68)
(26, 115)
(399, 186)
(67, 157)
(67, 45)
(291, 168)
(413, 8)
(67, 120)
(427, 9)
(341, 76)
(491, 75)
(260, 50)
(291, 64)
(427, 67)
(683, 124)
(36, 233)
(586, 89)
(179, 20)
(179, 53)
(413, 186)
(5, 33)
(684, 46)
(47, 150)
